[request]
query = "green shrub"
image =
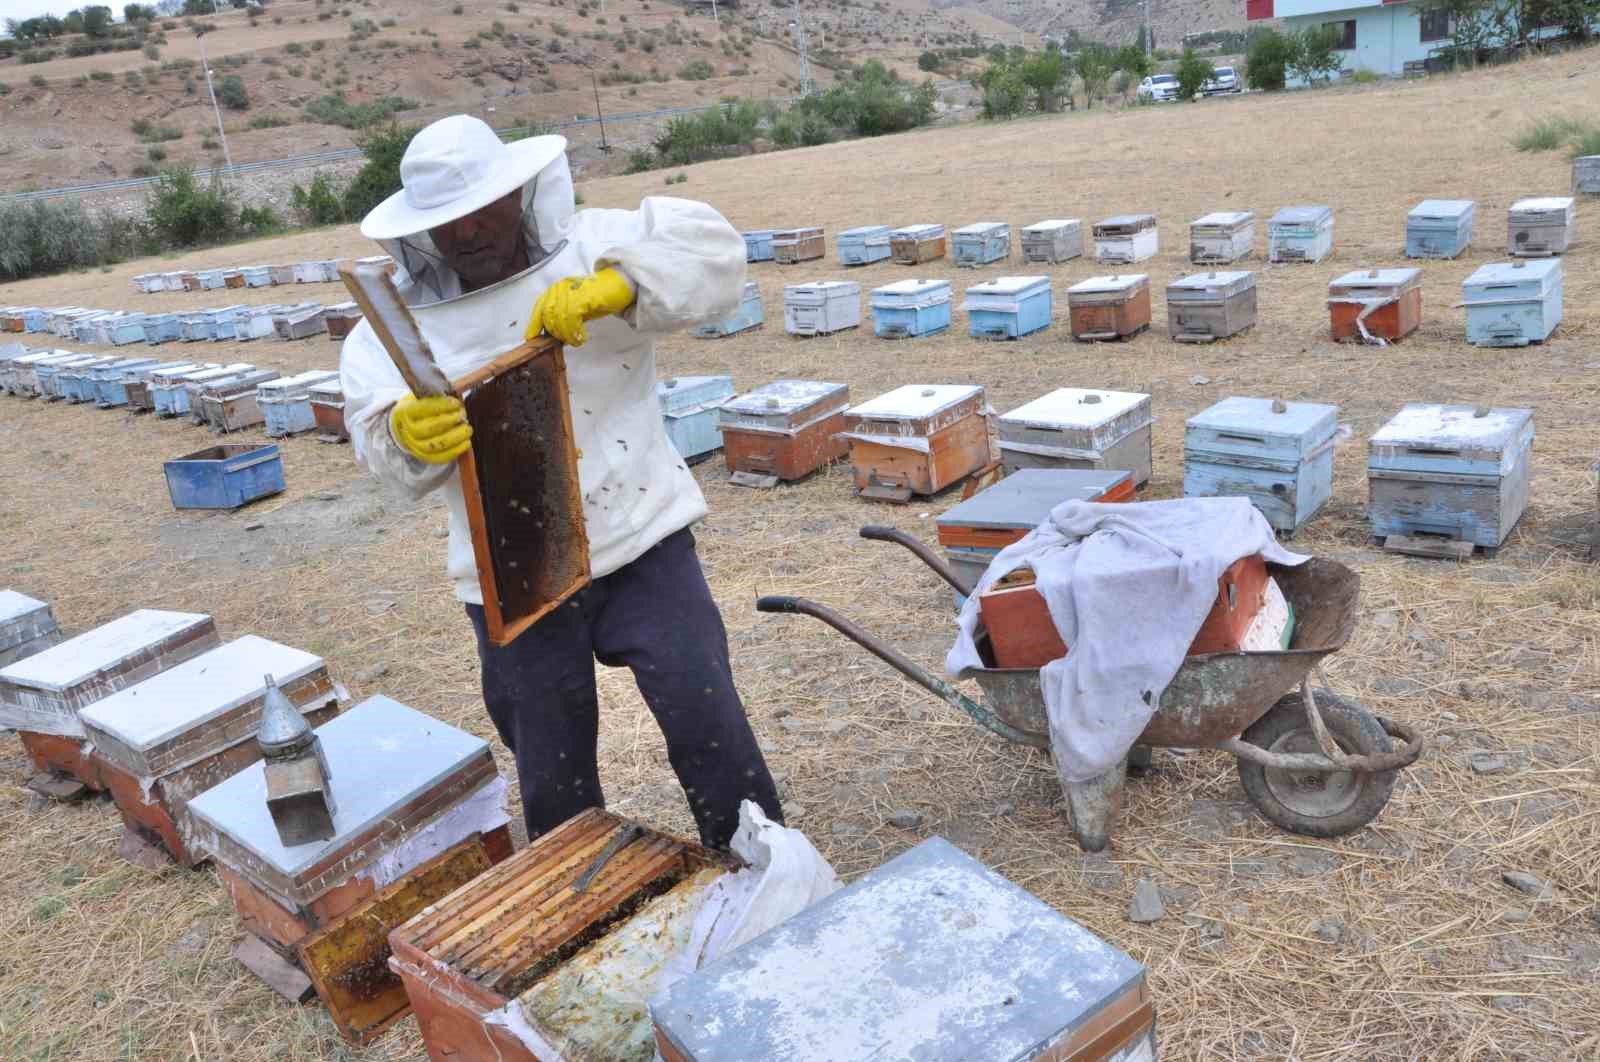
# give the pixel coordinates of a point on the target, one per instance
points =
(697, 70)
(269, 121)
(1192, 72)
(1267, 60)
(152, 52)
(1363, 76)
(320, 204)
(1549, 133)
(232, 95)
(379, 176)
(294, 48)
(5, 89)
(640, 161)
(334, 109)
(38, 81)
(101, 75)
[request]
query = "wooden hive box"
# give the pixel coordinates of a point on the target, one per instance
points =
(233, 278)
(189, 281)
(1074, 427)
(311, 272)
(1540, 226)
(340, 318)
(327, 407)
(300, 323)
(981, 243)
(230, 404)
(108, 384)
(917, 439)
(171, 390)
(821, 307)
(513, 940)
(210, 279)
(406, 788)
(787, 428)
(1512, 304)
(885, 968)
(40, 697)
(1053, 240)
(281, 274)
(689, 407)
(1300, 234)
(1439, 228)
(1277, 454)
(1221, 237)
(256, 322)
(141, 383)
(161, 328)
(1126, 238)
(21, 379)
(285, 403)
(1008, 307)
(906, 309)
(758, 245)
(173, 736)
(751, 314)
(863, 245)
(50, 374)
(76, 384)
(1457, 473)
(27, 626)
(1109, 307)
(173, 281)
(257, 276)
(915, 244)
(797, 245)
(1205, 307)
(1375, 304)
(196, 327)
(1586, 175)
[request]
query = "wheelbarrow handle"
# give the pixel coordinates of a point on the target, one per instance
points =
(879, 533)
(897, 660)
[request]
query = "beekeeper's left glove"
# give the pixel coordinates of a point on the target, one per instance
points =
(564, 308)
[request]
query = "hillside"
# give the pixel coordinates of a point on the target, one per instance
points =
(1117, 21)
(70, 120)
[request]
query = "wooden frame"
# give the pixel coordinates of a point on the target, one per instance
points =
(530, 381)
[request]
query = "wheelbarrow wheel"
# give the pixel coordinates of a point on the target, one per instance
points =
(1317, 803)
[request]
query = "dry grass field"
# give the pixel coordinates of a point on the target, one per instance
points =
(1399, 942)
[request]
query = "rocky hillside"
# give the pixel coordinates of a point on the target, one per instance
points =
(1117, 21)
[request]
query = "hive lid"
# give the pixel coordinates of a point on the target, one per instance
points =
(915, 401)
(798, 233)
(1450, 209)
(823, 287)
(677, 393)
(1052, 224)
(980, 228)
(1117, 282)
(916, 232)
(331, 388)
(913, 286)
(196, 691)
(1542, 204)
(1376, 278)
(1302, 215)
(1435, 426)
(1223, 218)
(1218, 280)
(380, 754)
(758, 234)
(1133, 221)
(1075, 407)
(76, 660)
(284, 386)
(783, 397)
(14, 604)
(1534, 272)
(865, 230)
(1024, 499)
(1009, 286)
(1307, 421)
(930, 956)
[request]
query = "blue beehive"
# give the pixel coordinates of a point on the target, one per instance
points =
(285, 403)
(1456, 471)
(74, 384)
(160, 327)
(195, 327)
(750, 314)
(910, 308)
(863, 245)
(1512, 304)
(1008, 307)
(689, 407)
(225, 322)
(110, 382)
(1277, 454)
(981, 243)
(1439, 228)
(35, 319)
(257, 276)
(224, 477)
(758, 245)
(126, 330)
(1300, 234)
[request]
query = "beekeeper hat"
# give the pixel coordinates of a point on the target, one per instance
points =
(453, 167)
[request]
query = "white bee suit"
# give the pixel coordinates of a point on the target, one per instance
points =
(687, 266)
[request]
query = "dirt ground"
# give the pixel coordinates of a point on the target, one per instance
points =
(1399, 942)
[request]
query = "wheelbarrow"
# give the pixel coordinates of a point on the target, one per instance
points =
(1311, 762)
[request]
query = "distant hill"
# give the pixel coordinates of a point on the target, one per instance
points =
(1116, 21)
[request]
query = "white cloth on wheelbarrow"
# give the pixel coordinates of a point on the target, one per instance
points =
(1128, 586)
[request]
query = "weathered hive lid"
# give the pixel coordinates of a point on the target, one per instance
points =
(752, 290)
(1052, 224)
(980, 228)
(286, 388)
(1545, 204)
(77, 659)
(799, 233)
(1115, 283)
(1525, 276)
(783, 397)
(1074, 407)
(1125, 223)
(1435, 426)
(331, 388)
(1380, 279)
(1223, 219)
(1219, 282)
(825, 288)
(14, 604)
(1440, 209)
(1024, 498)
(912, 961)
(1012, 286)
(758, 234)
(866, 230)
(679, 394)
(1250, 419)
(1302, 215)
(917, 232)
(915, 401)
(912, 286)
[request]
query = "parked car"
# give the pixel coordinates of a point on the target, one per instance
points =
(1223, 80)
(1161, 88)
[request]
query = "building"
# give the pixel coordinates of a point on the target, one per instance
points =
(1378, 35)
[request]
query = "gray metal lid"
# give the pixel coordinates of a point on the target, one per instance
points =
(1300, 215)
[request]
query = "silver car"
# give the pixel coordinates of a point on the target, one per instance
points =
(1161, 88)
(1223, 80)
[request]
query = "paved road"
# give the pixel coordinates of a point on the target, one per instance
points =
(320, 158)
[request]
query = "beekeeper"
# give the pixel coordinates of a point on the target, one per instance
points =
(489, 247)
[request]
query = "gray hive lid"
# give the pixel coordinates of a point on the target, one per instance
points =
(1302, 215)
(931, 957)
(783, 397)
(1075, 407)
(1440, 210)
(1434, 426)
(1024, 498)
(1222, 219)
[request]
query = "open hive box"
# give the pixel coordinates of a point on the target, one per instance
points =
(518, 965)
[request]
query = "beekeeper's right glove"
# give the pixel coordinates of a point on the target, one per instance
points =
(432, 429)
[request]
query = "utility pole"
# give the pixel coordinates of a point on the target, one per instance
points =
(200, 39)
(1149, 34)
(807, 87)
(605, 148)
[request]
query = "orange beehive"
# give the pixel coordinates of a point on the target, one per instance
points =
(918, 439)
(787, 428)
(1390, 298)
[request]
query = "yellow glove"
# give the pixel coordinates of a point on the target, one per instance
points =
(562, 310)
(432, 429)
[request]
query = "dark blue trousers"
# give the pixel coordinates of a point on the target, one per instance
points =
(656, 617)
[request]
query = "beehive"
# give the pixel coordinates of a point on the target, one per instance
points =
(1300, 234)
(1439, 228)
(821, 307)
(285, 403)
(1073, 427)
(751, 314)
(797, 245)
(300, 323)
(258, 276)
(758, 245)
(863, 245)
(1053, 240)
(282, 274)
(1205, 307)
(1008, 307)
(161, 328)
(327, 408)
(521, 940)
(1126, 238)
(340, 319)
(689, 407)
(173, 736)
(1457, 472)
(419, 812)
(170, 391)
(981, 243)
(918, 439)
(866, 973)
(1541, 226)
(910, 308)
(107, 384)
(1221, 237)
(27, 627)
(1109, 307)
(76, 383)
(141, 383)
(1512, 304)
(787, 428)
(1277, 454)
(229, 404)
(1375, 305)
(915, 244)
(1586, 175)
(48, 373)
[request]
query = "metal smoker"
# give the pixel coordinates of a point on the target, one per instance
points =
(299, 784)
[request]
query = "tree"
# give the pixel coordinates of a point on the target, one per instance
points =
(379, 176)
(929, 62)
(232, 95)
(1316, 54)
(1267, 61)
(1132, 59)
(1005, 93)
(72, 22)
(138, 13)
(1192, 72)
(97, 20)
(1142, 41)
(1096, 64)
(1472, 24)
(1044, 72)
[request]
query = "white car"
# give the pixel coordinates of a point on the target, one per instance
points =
(1223, 80)
(1161, 88)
